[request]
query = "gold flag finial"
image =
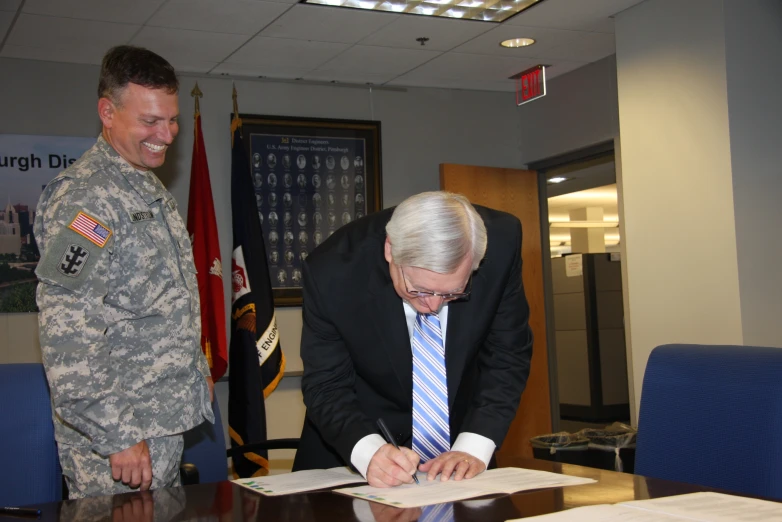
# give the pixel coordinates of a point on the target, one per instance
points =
(196, 93)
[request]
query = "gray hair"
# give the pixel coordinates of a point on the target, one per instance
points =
(436, 231)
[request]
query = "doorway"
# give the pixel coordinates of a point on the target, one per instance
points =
(585, 287)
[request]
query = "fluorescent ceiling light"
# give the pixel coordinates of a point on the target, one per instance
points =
(484, 10)
(557, 179)
(584, 224)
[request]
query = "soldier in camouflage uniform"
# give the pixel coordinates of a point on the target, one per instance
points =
(120, 316)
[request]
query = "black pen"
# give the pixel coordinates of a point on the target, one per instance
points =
(20, 512)
(391, 440)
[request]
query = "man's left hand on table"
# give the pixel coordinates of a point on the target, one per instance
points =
(457, 463)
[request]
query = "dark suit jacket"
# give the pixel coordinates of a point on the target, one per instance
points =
(358, 364)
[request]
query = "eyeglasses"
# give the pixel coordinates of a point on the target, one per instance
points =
(446, 297)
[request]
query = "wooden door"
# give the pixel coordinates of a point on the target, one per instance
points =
(516, 192)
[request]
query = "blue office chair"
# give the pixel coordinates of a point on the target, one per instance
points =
(205, 456)
(712, 415)
(30, 471)
(203, 459)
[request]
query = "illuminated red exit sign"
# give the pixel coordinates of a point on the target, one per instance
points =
(530, 84)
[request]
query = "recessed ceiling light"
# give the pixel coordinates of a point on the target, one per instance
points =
(518, 42)
(484, 10)
(558, 179)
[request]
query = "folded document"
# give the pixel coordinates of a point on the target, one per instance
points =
(300, 481)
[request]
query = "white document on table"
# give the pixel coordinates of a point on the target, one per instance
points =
(713, 507)
(700, 507)
(603, 513)
(492, 482)
(301, 481)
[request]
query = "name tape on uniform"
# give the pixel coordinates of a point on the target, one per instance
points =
(141, 215)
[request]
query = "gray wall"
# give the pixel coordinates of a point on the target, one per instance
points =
(753, 38)
(580, 109)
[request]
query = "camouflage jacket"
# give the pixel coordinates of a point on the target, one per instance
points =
(120, 323)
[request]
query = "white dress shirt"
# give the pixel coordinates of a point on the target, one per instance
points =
(476, 445)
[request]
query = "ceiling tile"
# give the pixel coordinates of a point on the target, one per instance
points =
(264, 71)
(384, 61)
(47, 32)
(190, 63)
(197, 45)
(6, 17)
(349, 77)
(457, 66)
(328, 24)
(228, 16)
(135, 12)
(285, 52)
(444, 34)
(84, 54)
(489, 42)
(571, 14)
(588, 47)
(10, 5)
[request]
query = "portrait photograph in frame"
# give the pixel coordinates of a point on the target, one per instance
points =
(311, 176)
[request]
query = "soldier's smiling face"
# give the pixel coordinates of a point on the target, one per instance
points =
(142, 125)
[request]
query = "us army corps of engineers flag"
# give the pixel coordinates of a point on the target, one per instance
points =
(256, 361)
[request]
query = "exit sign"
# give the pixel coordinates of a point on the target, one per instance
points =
(530, 84)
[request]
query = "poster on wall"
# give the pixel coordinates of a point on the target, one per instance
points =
(311, 176)
(27, 164)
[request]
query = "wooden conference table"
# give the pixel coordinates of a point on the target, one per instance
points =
(226, 502)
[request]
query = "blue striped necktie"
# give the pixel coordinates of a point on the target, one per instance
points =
(431, 432)
(437, 513)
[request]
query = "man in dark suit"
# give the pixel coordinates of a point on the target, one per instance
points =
(379, 296)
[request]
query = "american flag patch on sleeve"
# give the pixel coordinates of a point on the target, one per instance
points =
(90, 228)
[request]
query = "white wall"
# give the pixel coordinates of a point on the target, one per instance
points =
(421, 128)
(678, 232)
(754, 75)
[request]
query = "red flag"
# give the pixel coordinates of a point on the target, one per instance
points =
(202, 227)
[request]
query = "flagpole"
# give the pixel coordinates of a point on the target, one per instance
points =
(236, 122)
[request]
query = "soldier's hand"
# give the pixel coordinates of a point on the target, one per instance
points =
(133, 466)
(211, 384)
(139, 507)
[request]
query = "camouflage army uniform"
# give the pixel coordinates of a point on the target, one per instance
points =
(120, 319)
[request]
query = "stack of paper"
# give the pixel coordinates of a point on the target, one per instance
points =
(700, 507)
(492, 482)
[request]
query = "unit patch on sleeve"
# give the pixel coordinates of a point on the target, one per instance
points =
(73, 260)
(141, 215)
(90, 228)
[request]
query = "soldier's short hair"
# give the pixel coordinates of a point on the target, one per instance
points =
(128, 64)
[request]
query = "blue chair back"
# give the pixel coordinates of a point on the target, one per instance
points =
(712, 415)
(205, 447)
(30, 471)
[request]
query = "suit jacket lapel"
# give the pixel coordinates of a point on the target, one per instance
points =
(388, 319)
(461, 315)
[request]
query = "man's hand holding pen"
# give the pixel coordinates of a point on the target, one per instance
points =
(391, 467)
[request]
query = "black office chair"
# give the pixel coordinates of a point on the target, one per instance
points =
(204, 457)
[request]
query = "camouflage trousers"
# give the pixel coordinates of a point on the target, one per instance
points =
(88, 474)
